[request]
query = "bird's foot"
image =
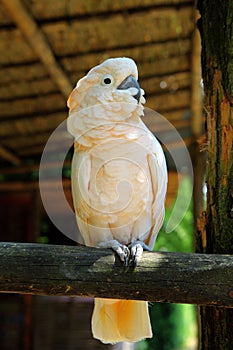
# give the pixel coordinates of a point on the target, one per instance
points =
(136, 249)
(122, 250)
(127, 254)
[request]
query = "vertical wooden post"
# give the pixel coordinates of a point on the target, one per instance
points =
(216, 27)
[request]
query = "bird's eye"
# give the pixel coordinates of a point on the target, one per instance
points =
(107, 79)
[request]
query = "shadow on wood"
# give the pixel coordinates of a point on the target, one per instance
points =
(163, 277)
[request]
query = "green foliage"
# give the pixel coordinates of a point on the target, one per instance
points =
(181, 238)
(43, 240)
(67, 172)
(174, 325)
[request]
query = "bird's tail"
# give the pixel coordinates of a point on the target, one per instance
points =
(115, 320)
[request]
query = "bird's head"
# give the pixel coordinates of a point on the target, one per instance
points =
(114, 80)
(109, 93)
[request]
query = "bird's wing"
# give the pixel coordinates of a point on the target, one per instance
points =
(80, 179)
(158, 174)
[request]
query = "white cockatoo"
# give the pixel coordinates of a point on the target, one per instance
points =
(119, 180)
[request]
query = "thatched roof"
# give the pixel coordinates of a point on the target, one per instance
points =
(46, 46)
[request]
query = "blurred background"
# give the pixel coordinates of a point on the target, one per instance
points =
(46, 47)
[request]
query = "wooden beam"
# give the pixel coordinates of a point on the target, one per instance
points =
(39, 127)
(38, 42)
(84, 8)
(148, 52)
(9, 156)
(165, 102)
(28, 168)
(45, 103)
(158, 52)
(26, 72)
(20, 89)
(20, 186)
(70, 271)
(155, 84)
(98, 37)
(40, 104)
(108, 32)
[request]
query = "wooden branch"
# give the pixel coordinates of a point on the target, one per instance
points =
(164, 277)
(38, 42)
(9, 156)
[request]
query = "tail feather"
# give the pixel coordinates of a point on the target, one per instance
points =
(115, 320)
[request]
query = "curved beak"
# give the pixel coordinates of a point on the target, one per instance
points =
(131, 82)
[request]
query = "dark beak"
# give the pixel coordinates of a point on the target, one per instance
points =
(130, 82)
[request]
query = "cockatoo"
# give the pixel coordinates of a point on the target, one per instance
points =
(119, 180)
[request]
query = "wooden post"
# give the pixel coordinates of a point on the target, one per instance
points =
(217, 68)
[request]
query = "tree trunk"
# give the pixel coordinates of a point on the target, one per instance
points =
(216, 28)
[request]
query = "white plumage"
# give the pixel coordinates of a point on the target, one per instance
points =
(119, 179)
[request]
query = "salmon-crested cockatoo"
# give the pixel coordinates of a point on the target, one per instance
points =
(119, 180)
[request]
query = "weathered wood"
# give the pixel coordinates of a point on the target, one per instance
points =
(73, 8)
(14, 49)
(37, 149)
(176, 51)
(26, 72)
(165, 102)
(31, 125)
(32, 140)
(49, 103)
(39, 104)
(109, 32)
(148, 52)
(166, 83)
(45, 9)
(39, 44)
(45, 86)
(13, 132)
(29, 168)
(24, 88)
(164, 277)
(9, 156)
(5, 20)
(104, 33)
(20, 186)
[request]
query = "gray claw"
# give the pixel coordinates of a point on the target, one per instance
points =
(123, 253)
(136, 250)
(122, 250)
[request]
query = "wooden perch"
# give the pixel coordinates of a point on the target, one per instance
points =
(70, 271)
